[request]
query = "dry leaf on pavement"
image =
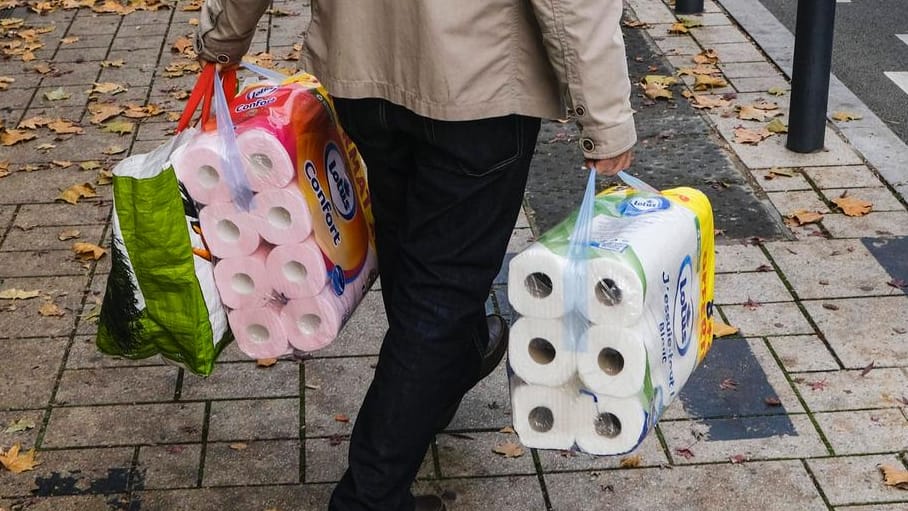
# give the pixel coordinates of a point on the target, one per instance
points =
(776, 91)
(341, 418)
(18, 294)
(777, 126)
(678, 28)
(86, 251)
(57, 94)
(112, 63)
(845, 116)
(721, 329)
(895, 476)
(101, 112)
(509, 450)
(5, 81)
(107, 88)
(852, 206)
(239, 446)
(50, 309)
(13, 137)
(751, 136)
(705, 82)
(17, 463)
(65, 127)
(635, 24)
(68, 234)
(23, 424)
(664, 80)
(630, 461)
(76, 192)
(265, 362)
(708, 101)
(751, 113)
(182, 45)
(804, 217)
(119, 127)
(707, 56)
(657, 91)
(33, 123)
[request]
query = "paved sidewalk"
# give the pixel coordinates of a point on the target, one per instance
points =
(797, 412)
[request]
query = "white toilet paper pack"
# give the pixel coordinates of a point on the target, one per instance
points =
(635, 318)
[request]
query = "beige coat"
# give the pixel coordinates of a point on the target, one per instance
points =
(460, 59)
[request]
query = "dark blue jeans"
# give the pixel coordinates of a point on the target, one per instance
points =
(445, 197)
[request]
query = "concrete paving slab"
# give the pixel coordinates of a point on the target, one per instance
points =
(486, 406)
(864, 431)
(881, 198)
(254, 419)
(294, 496)
(747, 69)
(32, 365)
(736, 52)
(22, 318)
(459, 456)
(89, 24)
(830, 268)
(335, 387)
(741, 287)
(780, 183)
(43, 263)
(855, 479)
(84, 354)
(326, 460)
(117, 385)
(739, 257)
(759, 83)
(85, 426)
(743, 486)
(652, 12)
(673, 44)
(848, 390)
(73, 472)
(754, 438)
(25, 438)
(84, 503)
(263, 462)
(62, 214)
(864, 330)
(767, 319)
(511, 492)
(363, 333)
(842, 176)
(789, 202)
(708, 36)
(803, 353)
(243, 380)
(47, 238)
(169, 466)
(648, 454)
(884, 223)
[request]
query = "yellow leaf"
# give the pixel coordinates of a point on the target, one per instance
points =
(13, 137)
(105, 177)
(87, 251)
(704, 82)
(895, 476)
(777, 126)
(18, 294)
(853, 207)
(749, 113)
(194, 22)
(76, 192)
(62, 163)
(635, 24)
(708, 101)
(749, 136)
(89, 165)
(18, 463)
(721, 329)
(657, 91)
(678, 28)
(68, 234)
(107, 88)
(64, 127)
(50, 309)
(663, 80)
(182, 45)
(509, 450)
(804, 217)
(33, 123)
(690, 22)
(631, 461)
(57, 94)
(707, 56)
(777, 172)
(776, 91)
(119, 127)
(845, 116)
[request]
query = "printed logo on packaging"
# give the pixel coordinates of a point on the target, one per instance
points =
(339, 182)
(683, 313)
(636, 206)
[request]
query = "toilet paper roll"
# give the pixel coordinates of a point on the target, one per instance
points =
(536, 282)
(198, 166)
(542, 415)
(268, 165)
(614, 292)
(312, 323)
(606, 425)
(539, 353)
(613, 361)
(281, 215)
(228, 232)
(243, 282)
(259, 332)
(298, 270)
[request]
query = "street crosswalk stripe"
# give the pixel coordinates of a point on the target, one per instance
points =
(900, 78)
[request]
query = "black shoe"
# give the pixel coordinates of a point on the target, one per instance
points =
(429, 503)
(498, 346)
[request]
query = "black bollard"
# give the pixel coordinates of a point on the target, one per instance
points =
(688, 6)
(810, 75)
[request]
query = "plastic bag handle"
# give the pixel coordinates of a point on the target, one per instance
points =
(231, 159)
(266, 73)
(202, 94)
(576, 269)
(636, 183)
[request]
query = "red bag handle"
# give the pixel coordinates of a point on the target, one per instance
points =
(203, 92)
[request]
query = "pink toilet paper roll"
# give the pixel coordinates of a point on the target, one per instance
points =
(243, 282)
(298, 270)
(281, 215)
(312, 323)
(268, 165)
(259, 332)
(228, 232)
(197, 166)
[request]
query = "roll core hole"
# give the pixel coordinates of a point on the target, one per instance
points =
(258, 333)
(242, 284)
(208, 176)
(309, 323)
(608, 425)
(538, 284)
(611, 361)
(228, 231)
(295, 271)
(608, 292)
(541, 419)
(279, 217)
(261, 164)
(541, 351)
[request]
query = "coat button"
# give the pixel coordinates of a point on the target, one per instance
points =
(587, 144)
(223, 58)
(579, 110)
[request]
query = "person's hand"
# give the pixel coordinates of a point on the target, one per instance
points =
(611, 166)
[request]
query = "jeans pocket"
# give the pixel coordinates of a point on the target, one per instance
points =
(480, 147)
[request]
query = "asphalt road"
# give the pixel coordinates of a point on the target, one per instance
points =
(866, 46)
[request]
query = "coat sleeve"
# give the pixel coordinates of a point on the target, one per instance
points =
(586, 49)
(226, 28)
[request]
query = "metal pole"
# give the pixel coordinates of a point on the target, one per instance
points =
(810, 75)
(688, 6)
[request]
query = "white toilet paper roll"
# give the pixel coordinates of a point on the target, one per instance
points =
(298, 270)
(542, 416)
(613, 361)
(267, 163)
(614, 292)
(281, 215)
(607, 426)
(228, 232)
(536, 282)
(243, 282)
(259, 332)
(198, 166)
(539, 353)
(312, 323)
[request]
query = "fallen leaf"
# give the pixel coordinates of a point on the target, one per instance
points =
(781, 172)
(818, 385)
(112, 63)
(777, 126)
(665, 80)
(895, 476)
(721, 329)
(69, 40)
(708, 101)
(17, 426)
(728, 384)
(57, 94)
(630, 461)
(114, 149)
(737, 458)
(830, 306)
(776, 91)
(50, 309)
(751, 136)
(704, 82)
(265, 362)
(700, 69)
(239, 446)
(33, 123)
(5, 81)
(105, 177)
(65, 127)
(678, 28)
(119, 127)
(707, 56)
(88, 251)
(194, 22)
(845, 116)
(101, 112)
(13, 137)
(804, 217)
(18, 463)
(107, 88)
(509, 450)
(76, 192)
(868, 368)
(341, 418)
(45, 147)
(684, 452)
(506, 429)
(772, 401)
(752, 113)
(18, 294)
(635, 24)
(182, 45)
(752, 304)
(690, 22)
(89, 165)
(853, 207)
(657, 91)
(62, 163)
(68, 234)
